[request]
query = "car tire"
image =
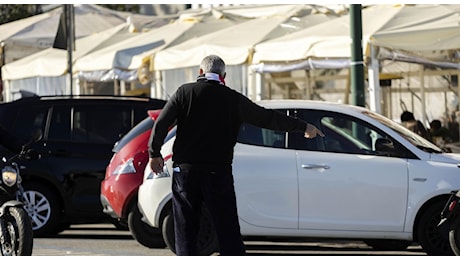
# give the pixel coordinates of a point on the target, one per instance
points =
(142, 232)
(43, 208)
(429, 235)
(454, 239)
(207, 241)
(121, 224)
(388, 244)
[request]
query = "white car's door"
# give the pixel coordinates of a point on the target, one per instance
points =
(265, 180)
(345, 182)
(353, 192)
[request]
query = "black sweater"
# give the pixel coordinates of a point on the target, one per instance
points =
(208, 117)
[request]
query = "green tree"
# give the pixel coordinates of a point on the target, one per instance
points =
(10, 13)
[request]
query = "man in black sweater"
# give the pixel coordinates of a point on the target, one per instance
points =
(208, 116)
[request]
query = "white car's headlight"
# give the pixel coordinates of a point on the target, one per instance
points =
(127, 167)
(9, 176)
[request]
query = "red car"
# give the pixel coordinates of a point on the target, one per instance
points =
(122, 180)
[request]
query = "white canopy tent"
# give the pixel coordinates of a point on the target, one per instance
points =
(26, 36)
(122, 59)
(120, 55)
(129, 60)
(422, 34)
(190, 25)
(408, 28)
(53, 62)
(235, 43)
(32, 64)
(45, 72)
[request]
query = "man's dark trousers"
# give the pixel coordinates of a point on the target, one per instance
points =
(212, 185)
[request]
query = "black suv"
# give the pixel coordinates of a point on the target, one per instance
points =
(79, 132)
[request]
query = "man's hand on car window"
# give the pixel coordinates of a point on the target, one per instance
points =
(312, 131)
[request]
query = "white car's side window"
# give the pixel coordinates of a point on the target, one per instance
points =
(343, 134)
(348, 136)
(253, 135)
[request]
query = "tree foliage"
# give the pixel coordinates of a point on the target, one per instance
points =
(10, 13)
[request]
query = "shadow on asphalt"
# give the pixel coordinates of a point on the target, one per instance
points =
(253, 247)
(93, 232)
(298, 250)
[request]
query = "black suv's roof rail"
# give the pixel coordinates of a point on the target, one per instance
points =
(29, 95)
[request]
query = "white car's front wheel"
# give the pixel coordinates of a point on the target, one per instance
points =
(429, 235)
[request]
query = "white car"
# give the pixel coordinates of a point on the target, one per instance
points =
(368, 179)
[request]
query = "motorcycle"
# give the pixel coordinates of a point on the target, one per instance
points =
(16, 233)
(449, 224)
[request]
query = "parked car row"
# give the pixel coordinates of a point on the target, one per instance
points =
(63, 186)
(369, 178)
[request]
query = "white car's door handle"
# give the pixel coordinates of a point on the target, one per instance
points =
(315, 166)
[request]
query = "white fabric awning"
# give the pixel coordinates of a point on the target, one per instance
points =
(409, 28)
(29, 35)
(54, 62)
(120, 55)
(235, 44)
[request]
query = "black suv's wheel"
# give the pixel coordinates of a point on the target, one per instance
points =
(207, 241)
(43, 208)
(429, 235)
(142, 232)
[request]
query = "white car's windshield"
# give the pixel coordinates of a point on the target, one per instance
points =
(407, 134)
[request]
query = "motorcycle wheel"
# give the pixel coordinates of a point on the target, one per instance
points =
(19, 227)
(454, 239)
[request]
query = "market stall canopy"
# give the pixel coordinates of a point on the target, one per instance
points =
(29, 35)
(119, 56)
(122, 60)
(409, 28)
(53, 62)
(235, 43)
(429, 31)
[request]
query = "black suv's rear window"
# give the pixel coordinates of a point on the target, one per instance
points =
(27, 120)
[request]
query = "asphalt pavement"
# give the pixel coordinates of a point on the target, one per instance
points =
(105, 240)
